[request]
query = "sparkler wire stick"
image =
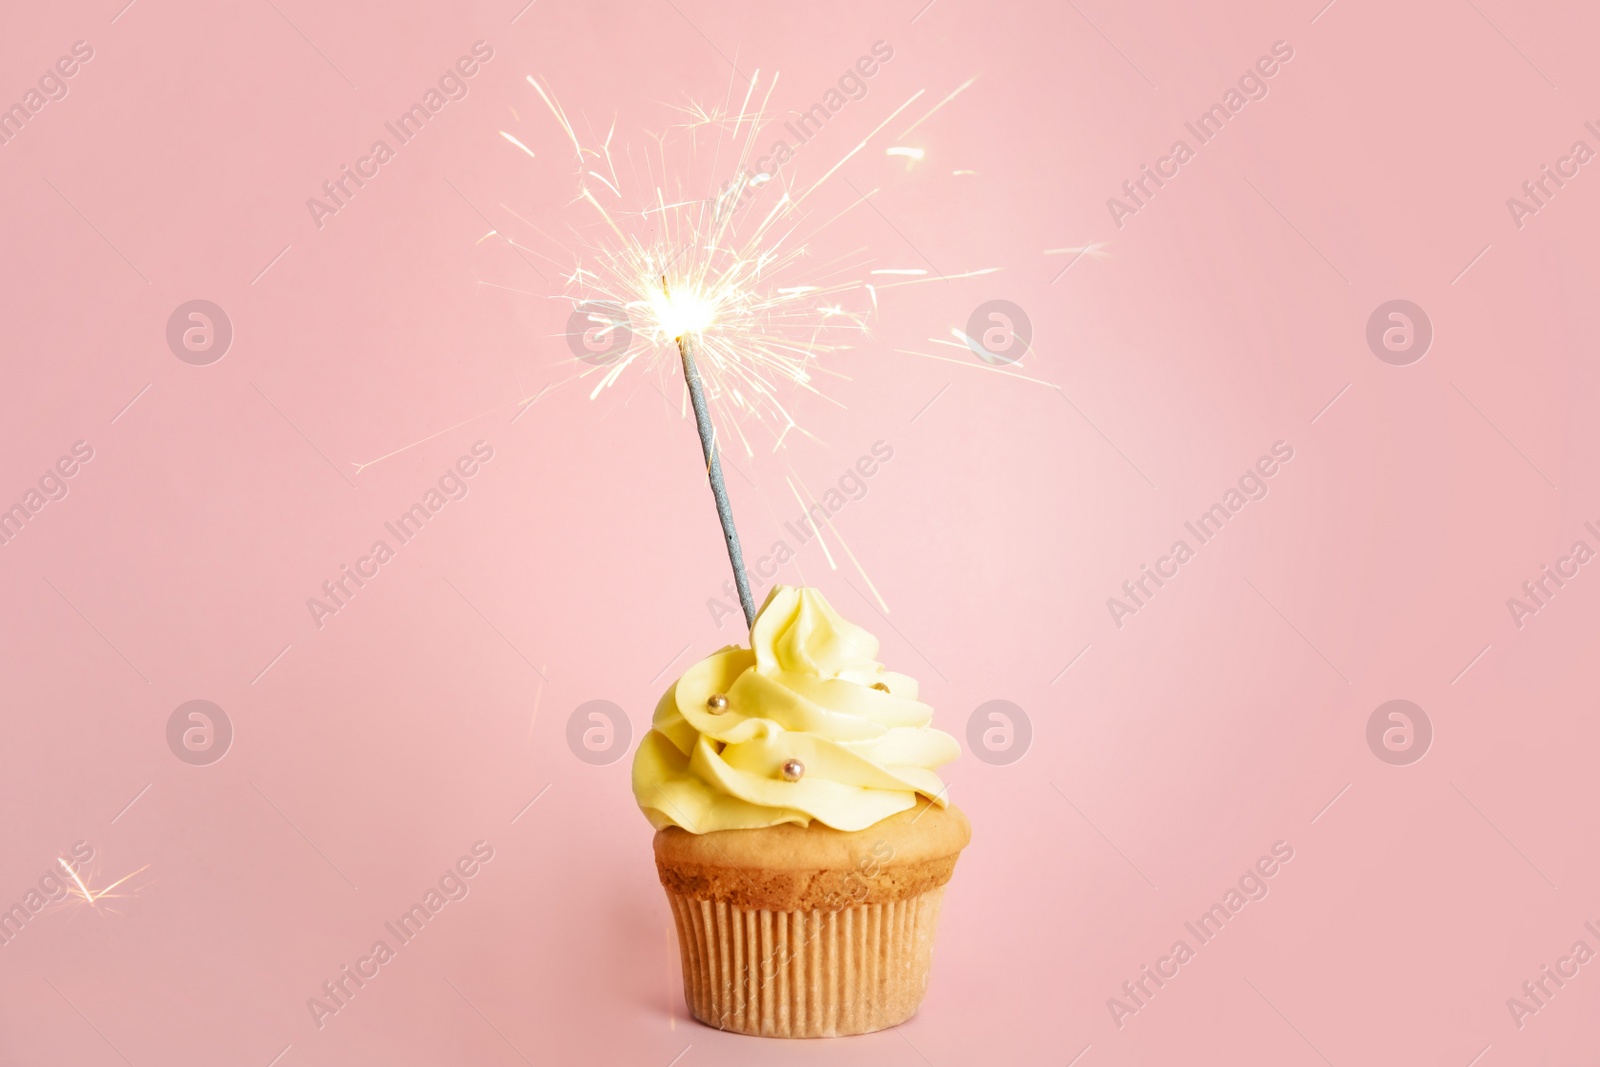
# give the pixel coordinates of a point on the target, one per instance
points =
(719, 491)
(708, 446)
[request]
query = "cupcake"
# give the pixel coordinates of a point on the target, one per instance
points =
(802, 834)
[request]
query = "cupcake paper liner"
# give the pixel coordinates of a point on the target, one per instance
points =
(815, 973)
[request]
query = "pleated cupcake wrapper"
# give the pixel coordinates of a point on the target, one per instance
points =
(805, 973)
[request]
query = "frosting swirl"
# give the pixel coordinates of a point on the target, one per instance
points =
(803, 691)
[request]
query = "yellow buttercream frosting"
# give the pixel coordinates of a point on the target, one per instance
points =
(804, 691)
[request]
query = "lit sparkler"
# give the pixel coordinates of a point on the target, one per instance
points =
(719, 283)
(710, 279)
(731, 261)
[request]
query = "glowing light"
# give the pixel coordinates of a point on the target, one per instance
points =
(685, 310)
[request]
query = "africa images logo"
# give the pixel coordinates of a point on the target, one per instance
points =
(1253, 885)
(52, 86)
(1252, 486)
(452, 886)
(1252, 85)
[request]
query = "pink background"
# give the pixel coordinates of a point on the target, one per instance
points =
(1225, 716)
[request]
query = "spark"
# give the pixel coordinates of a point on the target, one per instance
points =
(602, 180)
(909, 153)
(1094, 250)
(561, 116)
(817, 526)
(81, 890)
(812, 511)
(942, 278)
(863, 143)
(74, 874)
(930, 112)
(423, 440)
(519, 144)
(971, 346)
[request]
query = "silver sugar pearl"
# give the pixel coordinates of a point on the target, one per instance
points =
(793, 770)
(716, 703)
